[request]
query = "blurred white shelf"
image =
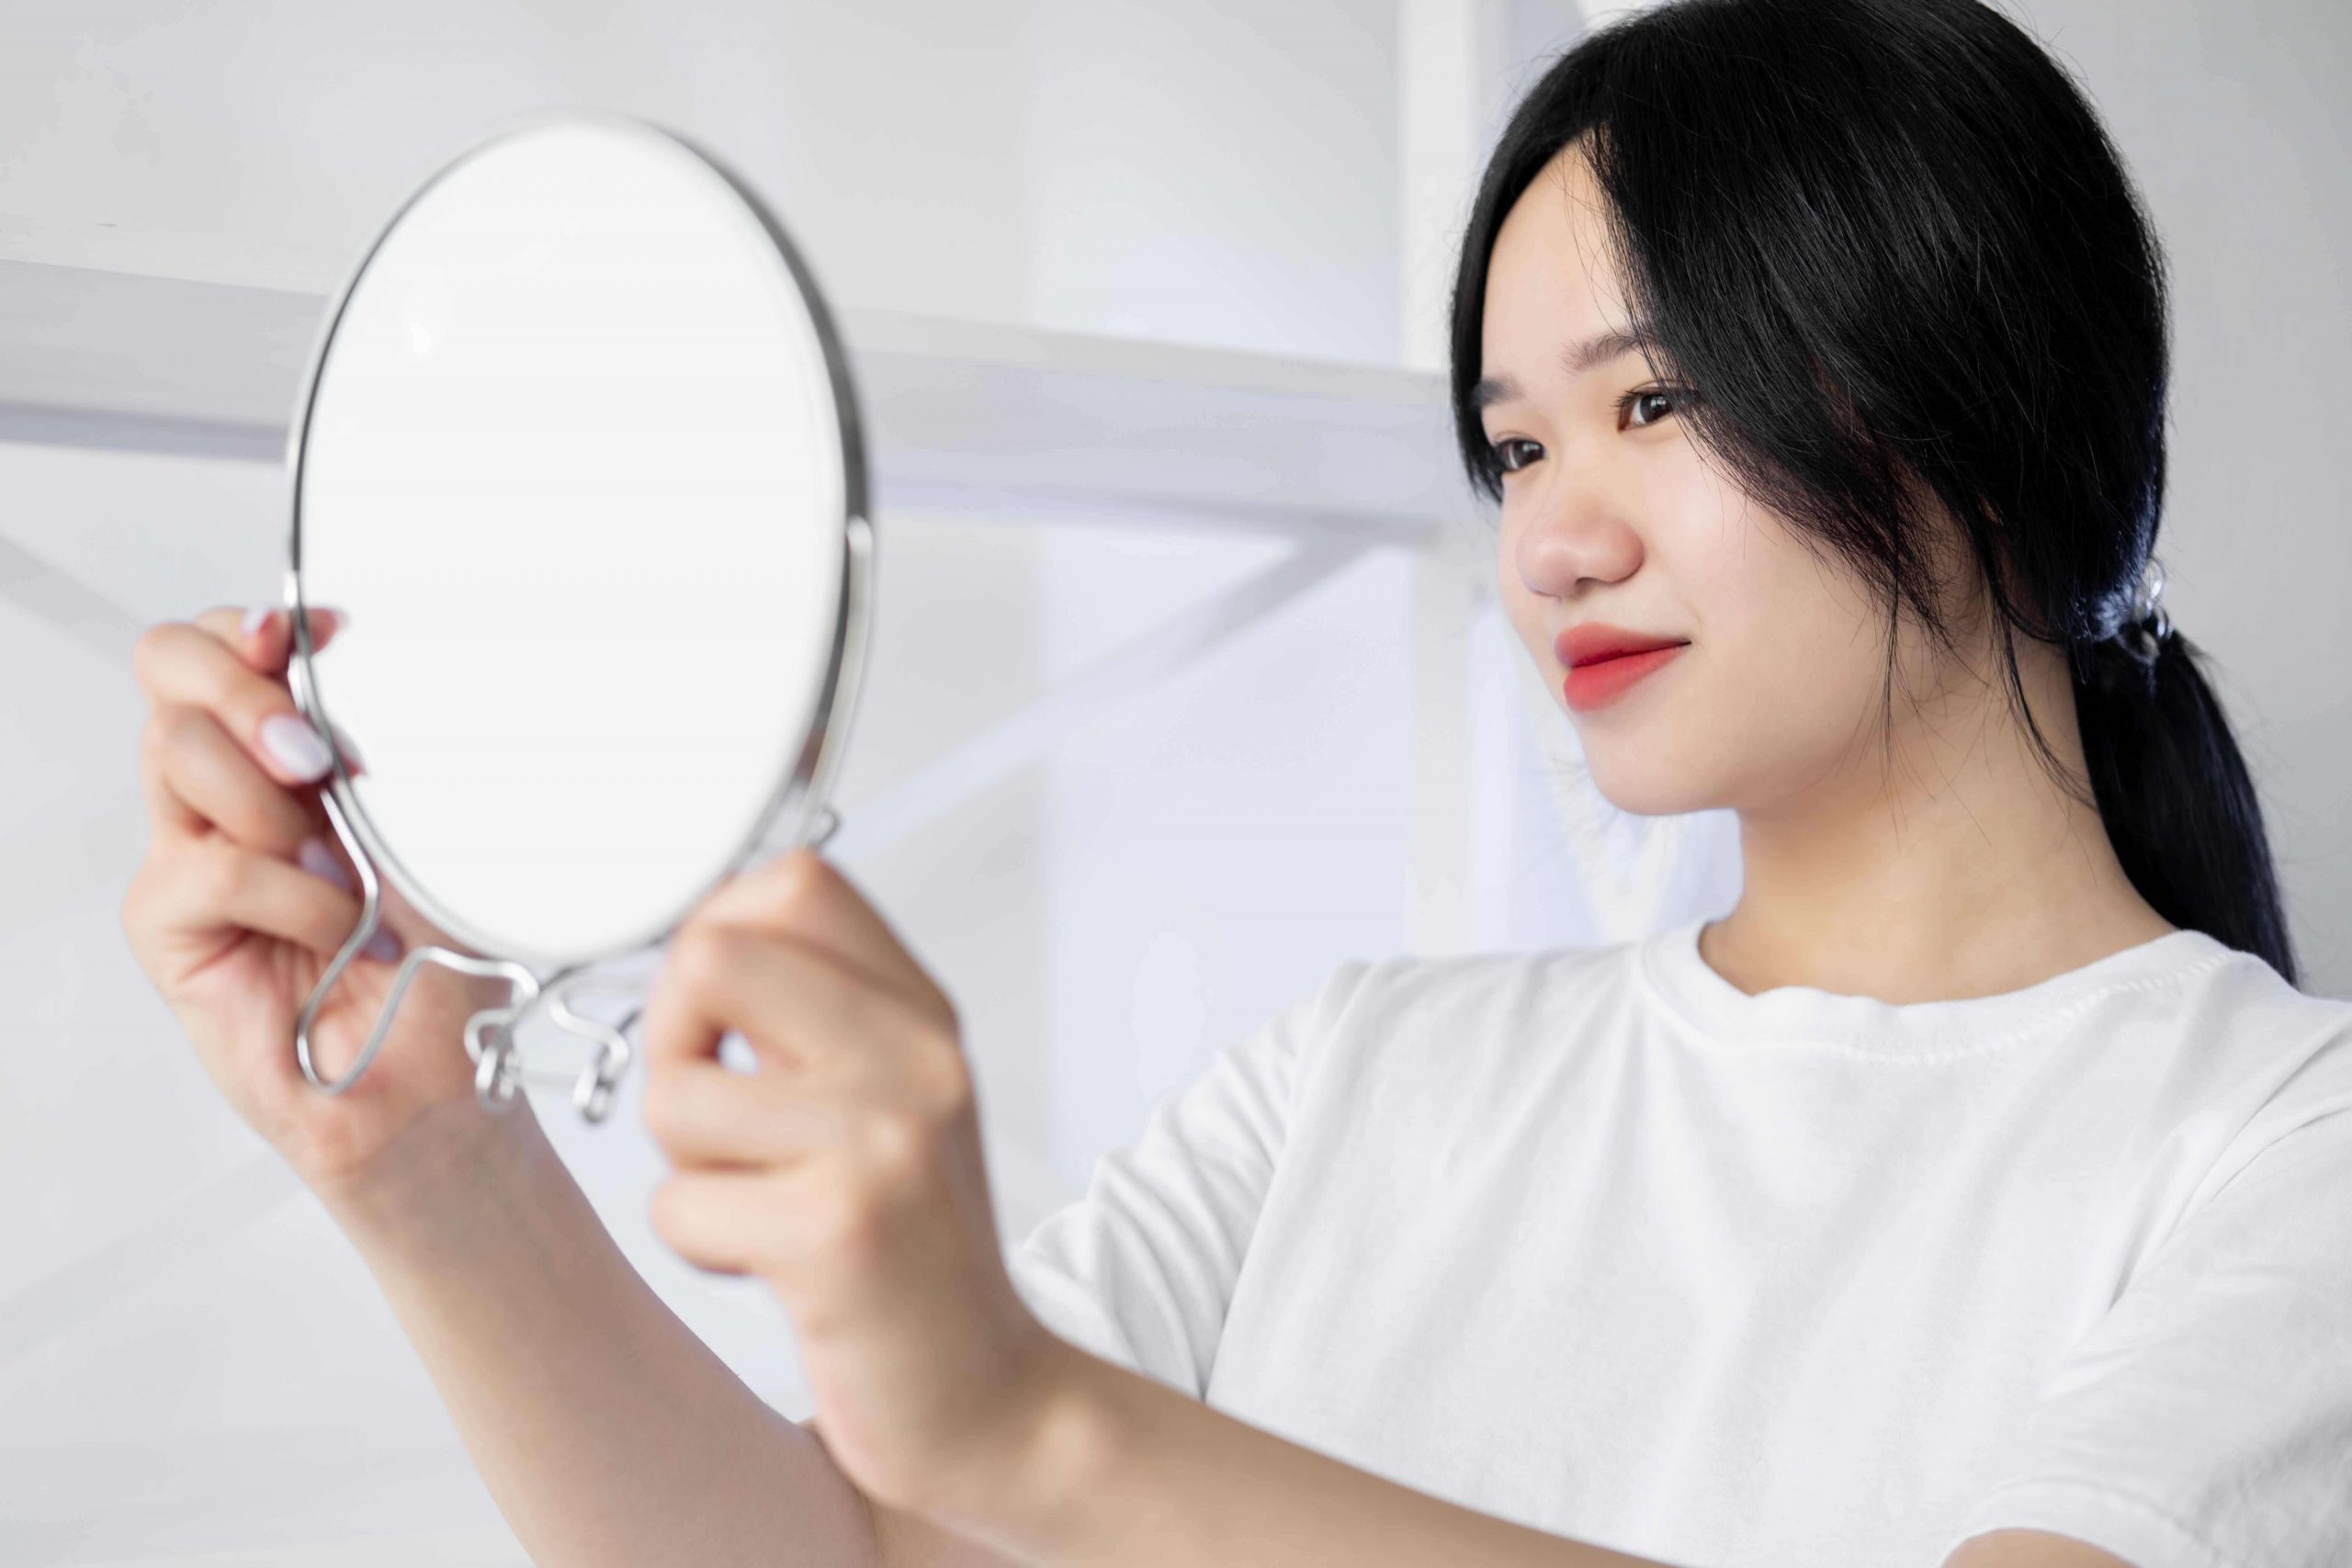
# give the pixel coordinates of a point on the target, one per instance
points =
(966, 414)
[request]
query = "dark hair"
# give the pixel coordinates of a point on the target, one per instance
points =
(1891, 253)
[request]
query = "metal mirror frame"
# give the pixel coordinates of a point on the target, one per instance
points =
(490, 1034)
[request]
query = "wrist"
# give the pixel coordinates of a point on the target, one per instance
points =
(435, 1174)
(1058, 1464)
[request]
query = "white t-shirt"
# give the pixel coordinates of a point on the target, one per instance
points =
(1594, 1241)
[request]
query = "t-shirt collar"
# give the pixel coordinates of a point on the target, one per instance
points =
(1670, 964)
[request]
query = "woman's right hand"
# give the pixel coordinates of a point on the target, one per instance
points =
(233, 919)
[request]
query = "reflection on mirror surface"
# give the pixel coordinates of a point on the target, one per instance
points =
(574, 465)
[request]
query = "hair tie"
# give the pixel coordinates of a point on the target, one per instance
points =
(2144, 632)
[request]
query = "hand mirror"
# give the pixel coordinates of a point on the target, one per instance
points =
(578, 452)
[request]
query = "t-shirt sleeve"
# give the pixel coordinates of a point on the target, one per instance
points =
(2205, 1421)
(1138, 1270)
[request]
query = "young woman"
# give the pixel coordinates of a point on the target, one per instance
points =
(1978, 1190)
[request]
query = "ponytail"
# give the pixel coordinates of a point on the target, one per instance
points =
(2175, 794)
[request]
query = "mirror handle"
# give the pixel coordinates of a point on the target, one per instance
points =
(371, 903)
(491, 1043)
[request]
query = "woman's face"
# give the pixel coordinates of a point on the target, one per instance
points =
(1612, 516)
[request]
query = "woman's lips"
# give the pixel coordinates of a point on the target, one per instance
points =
(1602, 682)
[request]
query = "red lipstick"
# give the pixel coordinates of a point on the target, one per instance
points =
(1604, 661)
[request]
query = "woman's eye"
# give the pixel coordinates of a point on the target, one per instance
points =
(1506, 453)
(1648, 398)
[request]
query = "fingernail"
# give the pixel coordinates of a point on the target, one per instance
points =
(384, 946)
(296, 746)
(256, 618)
(319, 861)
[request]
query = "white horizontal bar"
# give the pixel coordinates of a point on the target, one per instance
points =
(93, 358)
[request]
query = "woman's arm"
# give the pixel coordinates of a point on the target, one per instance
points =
(608, 1433)
(1126, 1471)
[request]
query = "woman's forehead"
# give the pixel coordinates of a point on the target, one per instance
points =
(1551, 278)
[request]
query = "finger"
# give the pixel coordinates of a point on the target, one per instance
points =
(802, 893)
(795, 1005)
(725, 1221)
(170, 816)
(263, 636)
(177, 662)
(702, 1113)
(197, 777)
(213, 887)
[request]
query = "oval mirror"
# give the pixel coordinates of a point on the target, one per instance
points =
(578, 455)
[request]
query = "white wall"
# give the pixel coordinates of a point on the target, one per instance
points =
(1185, 169)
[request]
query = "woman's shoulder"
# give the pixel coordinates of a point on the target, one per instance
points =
(2279, 1052)
(2230, 1009)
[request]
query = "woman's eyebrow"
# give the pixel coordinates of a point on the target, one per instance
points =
(1575, 360)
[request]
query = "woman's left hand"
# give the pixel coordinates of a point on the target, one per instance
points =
(847, 1174)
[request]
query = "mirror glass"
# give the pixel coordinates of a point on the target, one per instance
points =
(577, 461)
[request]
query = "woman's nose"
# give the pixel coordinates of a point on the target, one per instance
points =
(1576, 527)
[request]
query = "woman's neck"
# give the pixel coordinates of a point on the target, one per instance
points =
(1956, 867)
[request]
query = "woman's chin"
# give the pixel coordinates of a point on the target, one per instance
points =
(1647, 788)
